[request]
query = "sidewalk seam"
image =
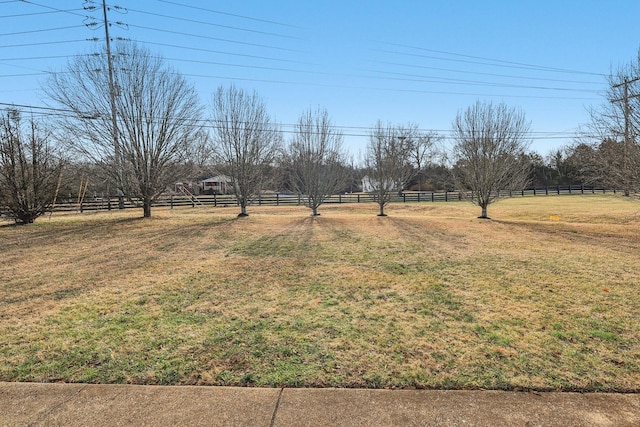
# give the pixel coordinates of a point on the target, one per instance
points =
(275, 410)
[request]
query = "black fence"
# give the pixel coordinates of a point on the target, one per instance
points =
(274, 199)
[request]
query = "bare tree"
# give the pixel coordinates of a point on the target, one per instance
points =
(246, 140)
(614, 133)
(388, 162)
(156, 117)
(489, 152)
(422, 150)
(30, 168)
(317, 158)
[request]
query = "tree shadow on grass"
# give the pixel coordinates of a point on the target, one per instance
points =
(588, 236)
(296, 240)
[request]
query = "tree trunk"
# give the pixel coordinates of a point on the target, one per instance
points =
(146, 206)
(243, 209)
(484, 213)
(382, 210)
(25, 218)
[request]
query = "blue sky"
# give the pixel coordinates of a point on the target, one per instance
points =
(397, 61)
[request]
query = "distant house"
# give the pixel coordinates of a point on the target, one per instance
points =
(369, 185)
(220, 184)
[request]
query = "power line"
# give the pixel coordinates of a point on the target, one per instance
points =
(22, 75)
(518, 64)
(256, 67)
(433, 92)
(213, 25)
(30, 58)
(40, 72)
(447, 80)
(35, 107)
(21, 15)
(212, 38)
(420, 78)
(522, 67)
(43, 43)
(55, 9)
(451, 70)
(355, 131)
(437, 79)
(41, 31)
(443, 80)
(380, 78)
(197, 49)
(228, 14)
(236, 78)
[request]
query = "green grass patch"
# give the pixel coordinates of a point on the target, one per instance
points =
(429, 297)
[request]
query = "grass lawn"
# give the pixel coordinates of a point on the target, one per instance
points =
(545, 296)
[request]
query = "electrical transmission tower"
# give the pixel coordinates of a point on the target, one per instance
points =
(89, 6)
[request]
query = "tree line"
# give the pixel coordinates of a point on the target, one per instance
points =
(140, 128)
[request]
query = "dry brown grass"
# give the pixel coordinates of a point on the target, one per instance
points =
(545, 296)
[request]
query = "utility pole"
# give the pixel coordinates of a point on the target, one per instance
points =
(627, 139)
(114, 117)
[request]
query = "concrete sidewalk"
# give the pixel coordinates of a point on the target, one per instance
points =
(32, 404)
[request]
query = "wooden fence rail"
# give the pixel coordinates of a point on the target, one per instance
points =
(172, 201)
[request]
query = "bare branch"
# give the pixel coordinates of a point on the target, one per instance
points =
(157, 111)
(316, 158)
(245, 139)
(388, 161)
(613, 134)
(30, 168)
(490, 147)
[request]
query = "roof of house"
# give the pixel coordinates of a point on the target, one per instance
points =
(217, 178)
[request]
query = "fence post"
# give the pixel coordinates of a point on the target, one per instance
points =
(277, 199)
(433, 197)
(404, 198)
(581, 189)
(446, 196)
(340, 198)
(558, 188)
(171, 201)
(109, 204)
(358, 198)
